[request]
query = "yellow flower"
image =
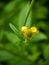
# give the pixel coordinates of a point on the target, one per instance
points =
(24, 30)
(34, 29)
(28, 33)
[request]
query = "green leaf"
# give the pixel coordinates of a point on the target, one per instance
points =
(10, 6)
(46, 51)
(5, 55)
(16, 31)
(23, 15)
(42, 25)
(1, 35)
(38, 37)
(35, 56)
(12, 37)
(40, 12)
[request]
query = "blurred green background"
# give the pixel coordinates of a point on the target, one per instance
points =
(13, 49)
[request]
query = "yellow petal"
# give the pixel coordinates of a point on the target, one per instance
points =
(24, 34)
(24, 29)
(34, 29)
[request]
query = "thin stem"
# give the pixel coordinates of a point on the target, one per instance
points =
(29, 11)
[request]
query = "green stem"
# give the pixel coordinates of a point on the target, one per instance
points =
(29, 11)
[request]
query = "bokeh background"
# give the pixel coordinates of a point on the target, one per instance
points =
(12, 50)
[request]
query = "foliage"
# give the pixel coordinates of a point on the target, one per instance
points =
(14, 48)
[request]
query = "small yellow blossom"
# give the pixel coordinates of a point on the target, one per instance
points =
(28, 33)
(34, 29)
(24, 29)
